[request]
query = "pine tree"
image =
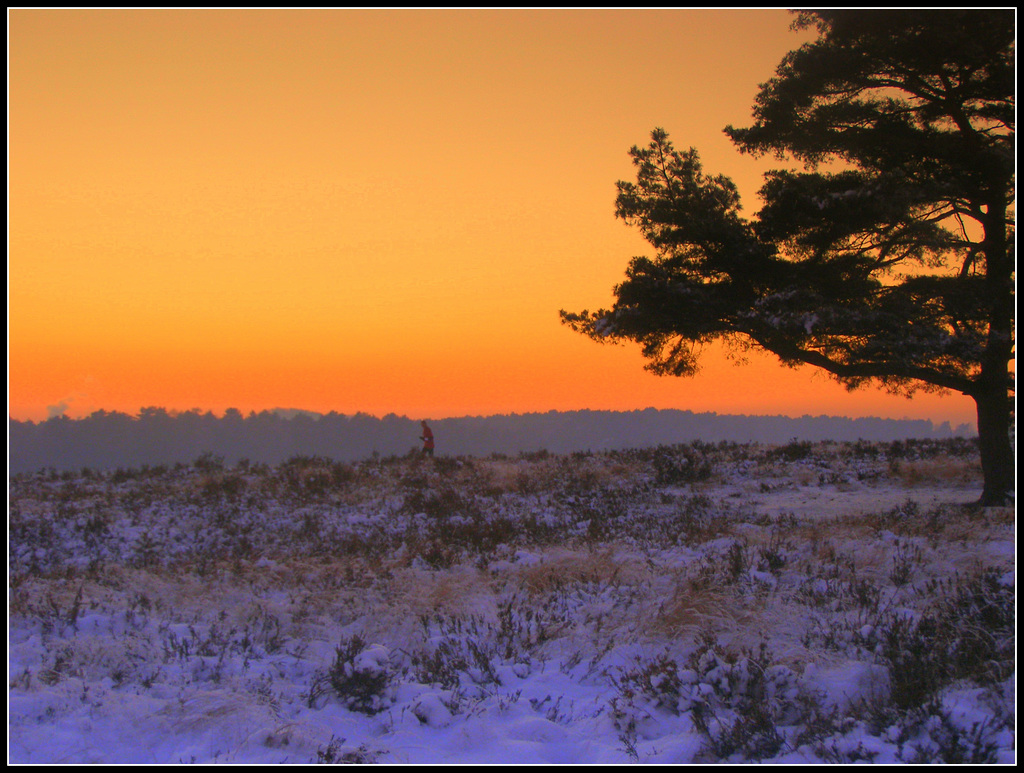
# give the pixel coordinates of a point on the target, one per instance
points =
(887, 259)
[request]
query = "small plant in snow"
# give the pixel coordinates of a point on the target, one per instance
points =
(358, 677)
(772, 557)
(336, 753)
(929, 735)
(968, 632)
(905, 558)
(742, 699)
(656, 683)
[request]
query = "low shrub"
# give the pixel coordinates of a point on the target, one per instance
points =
(967, 632)
(358, 677)
(674, 465)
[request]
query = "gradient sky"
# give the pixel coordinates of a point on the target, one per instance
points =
(377, 211)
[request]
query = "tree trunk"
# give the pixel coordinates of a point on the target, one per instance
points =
(997, 465)
(995, 415)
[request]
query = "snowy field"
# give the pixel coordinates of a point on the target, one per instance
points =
(695, 603)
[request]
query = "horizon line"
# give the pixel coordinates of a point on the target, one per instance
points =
(291, 413)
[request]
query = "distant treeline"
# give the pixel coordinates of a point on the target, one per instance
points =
(109, 440)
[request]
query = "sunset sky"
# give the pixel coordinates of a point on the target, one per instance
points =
(376, 211)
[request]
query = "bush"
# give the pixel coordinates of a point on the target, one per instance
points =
(358, 677)
(968, 633)
(737, 700)
(680, 464)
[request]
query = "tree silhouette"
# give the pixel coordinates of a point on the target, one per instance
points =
(887, 259)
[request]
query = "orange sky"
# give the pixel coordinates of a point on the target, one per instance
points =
(378, 211)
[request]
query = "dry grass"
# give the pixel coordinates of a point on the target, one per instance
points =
(942, 470)
(690, 610)
(554, 569)
(518, 562)
(454, 593)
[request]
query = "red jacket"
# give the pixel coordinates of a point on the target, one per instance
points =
(428, 439)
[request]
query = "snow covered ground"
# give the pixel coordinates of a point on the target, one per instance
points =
(695, 603)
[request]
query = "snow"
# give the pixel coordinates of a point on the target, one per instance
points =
(560, 610)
